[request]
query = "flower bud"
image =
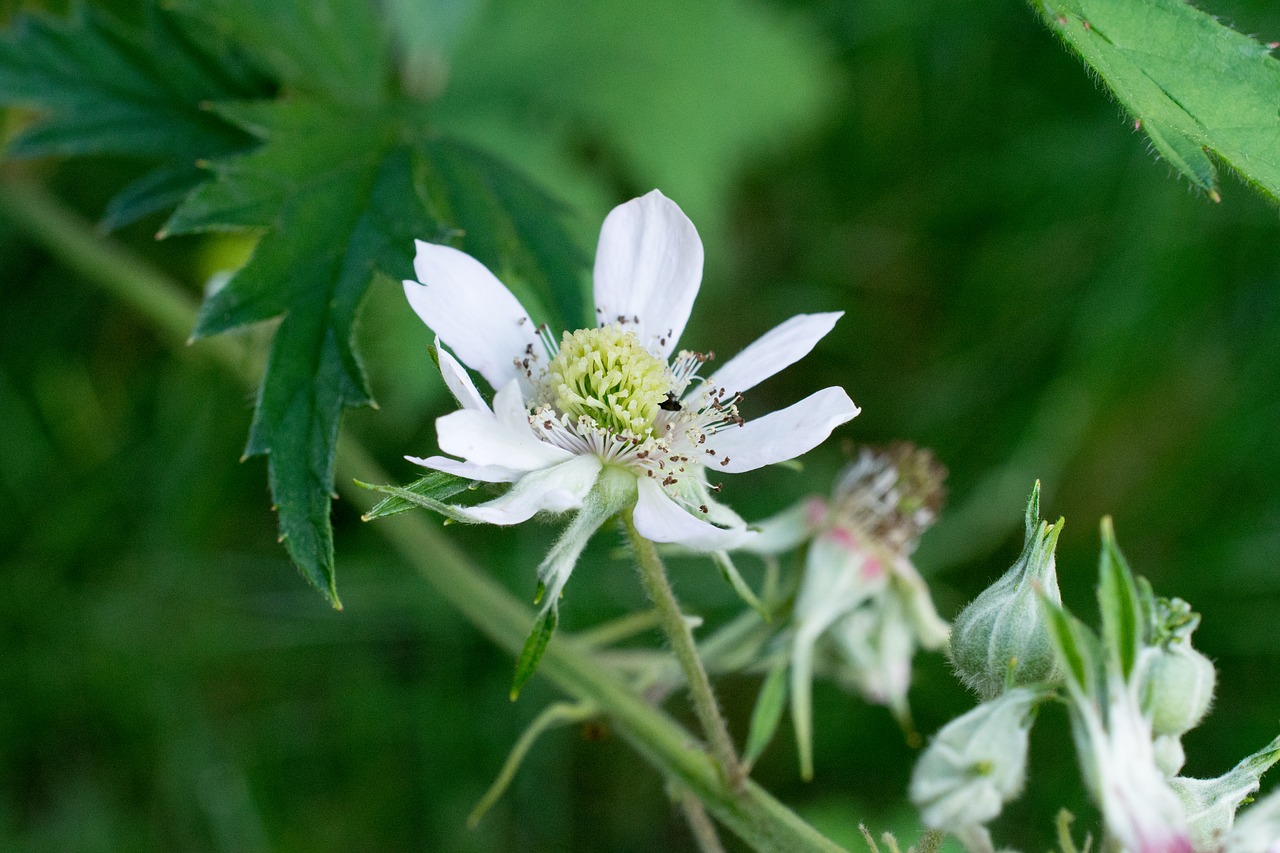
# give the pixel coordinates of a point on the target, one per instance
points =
(1001, 637)
(976, 763)
(1177, 688)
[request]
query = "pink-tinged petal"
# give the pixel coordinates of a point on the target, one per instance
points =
(458, 382)
(556, 489)
(660, 519)
(779, 348)
(503, 438)
(782, 435)
(648, 269)
(471, 311)
(484, 473)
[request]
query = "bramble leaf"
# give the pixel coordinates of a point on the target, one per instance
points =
(336, 208)
(1194, 85)
(107, 88)
(335, 50)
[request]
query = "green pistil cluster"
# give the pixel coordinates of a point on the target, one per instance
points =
(606, 375)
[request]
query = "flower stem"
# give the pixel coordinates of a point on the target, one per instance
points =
(704, 831)
(653, 574)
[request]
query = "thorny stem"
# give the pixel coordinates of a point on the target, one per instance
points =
(653, 574)
(750, 812)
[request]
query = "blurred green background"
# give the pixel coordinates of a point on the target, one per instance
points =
(1028, 291)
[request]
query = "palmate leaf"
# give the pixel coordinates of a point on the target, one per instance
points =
(1194, 85)
(106, 88)
(341, 192)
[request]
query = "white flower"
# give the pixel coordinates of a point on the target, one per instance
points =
(1115, 744)
(860, 598)
(608, 417)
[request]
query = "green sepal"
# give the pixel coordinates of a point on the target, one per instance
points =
(730, 573)
(1075, 645)
(767, 713)
(531, 654)
(1123, 626)
(436, 486)
(415, 498)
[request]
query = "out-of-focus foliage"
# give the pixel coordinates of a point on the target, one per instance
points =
(1194, 85)
(1029, 291)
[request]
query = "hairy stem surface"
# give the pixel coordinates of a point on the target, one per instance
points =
(653, 574)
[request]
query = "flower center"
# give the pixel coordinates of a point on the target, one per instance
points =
(606, 376)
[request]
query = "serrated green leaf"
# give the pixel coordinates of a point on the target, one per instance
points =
(531, 654)
(1193, 84)
(338, 207)
(342, 209)
(429, 492)
(767, 713)
(1122, 620)
(106, 88)
(505, 224)
(336, 50)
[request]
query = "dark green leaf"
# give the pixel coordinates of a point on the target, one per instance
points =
(104, 88)
(338, 207)
(767, 713)
(336, 50)
(429, 492)
(1118, 602)
(539, 636)
(512, 227)
(1194, 85)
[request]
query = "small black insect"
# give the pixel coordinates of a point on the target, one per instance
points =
(671, 404)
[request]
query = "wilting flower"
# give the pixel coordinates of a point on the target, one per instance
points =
(860, 598)
(976, 764)
(610, 417)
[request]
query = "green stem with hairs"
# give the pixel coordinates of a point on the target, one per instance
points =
(749, 811)
(653, 574)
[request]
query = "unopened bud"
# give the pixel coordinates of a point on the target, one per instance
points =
(1000, 639)
(1176, 680)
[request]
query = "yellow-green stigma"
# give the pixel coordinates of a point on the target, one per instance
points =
(606, 376)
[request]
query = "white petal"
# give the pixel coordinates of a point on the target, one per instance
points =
(780, 347)
(463, 303)
(502, 438)
(484, 473)
(784, 434)
(556, 489)
(648, 266)
(660, 519)
(458, 382)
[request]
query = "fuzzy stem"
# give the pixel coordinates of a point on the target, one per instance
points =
(704, 831)
(653, 574)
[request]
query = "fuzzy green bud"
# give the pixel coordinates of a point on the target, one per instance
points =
(1177, 688)
(1176, 681)
(1000, 639)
